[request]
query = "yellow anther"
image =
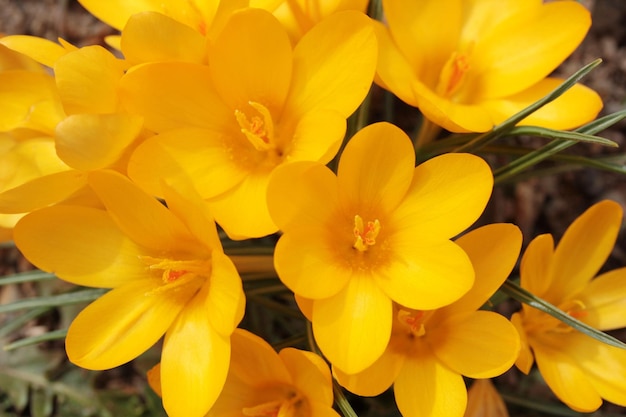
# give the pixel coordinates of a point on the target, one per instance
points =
(259, 129)
(365, 235)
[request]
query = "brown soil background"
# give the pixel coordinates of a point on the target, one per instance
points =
(537, 205)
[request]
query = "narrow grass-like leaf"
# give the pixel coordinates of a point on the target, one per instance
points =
(548, 409)
(45, 337)
(520, 294)
(574, 136)
(504, 127)
(17, 322)
(29, 276)
(74, 297)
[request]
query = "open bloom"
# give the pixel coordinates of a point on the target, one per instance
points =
(579, 369)
(261, 383)
(258, 104)
(378, 231)
(470, 65)
(29, 111)
(168, 275)
(431, 350)
(77, 112)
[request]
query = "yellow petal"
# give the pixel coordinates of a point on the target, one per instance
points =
(42, 191)
(302, 193)
(353, 327)
(605, 299)
(583, 249)
(95, 141)
(483, 400)
(525, 359)
(75, 73)
(242, 211)
(375, 379)
(123, 323)
(535, 266)
(115, 13)
(452, 116)
(307, 263)
(604, 365)
(334, 65)
(305, 305)
(425, 387)
(251, 60)
(375, 170)
(254, 361)
(28, 99)
(448, 193)
(41, 50)
(417, 30)
(170, 95)
(565, 377)
(317, 137)
(194, 361)
(79, 244)
(499, 241)
(526, 48)
(201, 156)
(141, 217)
(310, 374)
(575, 107)
(393, 68)
(425, 276)
(153, 37)
(479, 344)
(189, 207)
(225, 302)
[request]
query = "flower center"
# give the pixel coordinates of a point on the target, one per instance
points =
(546, 323)
(453, 74)
(286, 407)
(259, 128)
(365, 234)
(179, 272)
(413, 321)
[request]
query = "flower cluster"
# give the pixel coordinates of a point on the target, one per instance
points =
(206, 121)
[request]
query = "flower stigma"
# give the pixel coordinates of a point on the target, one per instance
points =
(365, 235)
(179, 272)
(259, 129)
(453, 74)
(413, 321)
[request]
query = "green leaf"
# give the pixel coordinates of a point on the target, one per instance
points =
(524, 296)
(74, 297)
(504, 127)
(29, 276)
(543, 132)
(45, 337)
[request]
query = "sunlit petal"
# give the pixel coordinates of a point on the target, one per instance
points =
(584, 248)
(95, 141)
(375, 379)
(375, 170)
(153, 37)
(251, 60)
(194, 361)
(49, 236)
(605, 300)
(353, 327)
(334, 65)
(425, 387)
(480, 344)
(123, 323)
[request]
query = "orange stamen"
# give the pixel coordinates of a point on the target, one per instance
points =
(365, 235)
(453, 74)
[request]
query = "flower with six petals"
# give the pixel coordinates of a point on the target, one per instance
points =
(378, 231)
